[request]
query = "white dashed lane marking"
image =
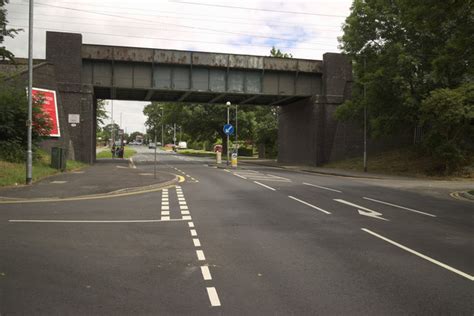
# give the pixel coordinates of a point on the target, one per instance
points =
(206, 274)
(200, 255)
(321, 187)
(213, 297)
(310, 205)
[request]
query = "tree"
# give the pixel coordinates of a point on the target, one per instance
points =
(133, 136)
(449, 113)
(406, 47)
(5, 32)
(274, 52)
(402, 50)
(101, 114)
(203, 123)
(13, 116)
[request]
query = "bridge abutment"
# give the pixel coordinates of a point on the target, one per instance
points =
(63, 50)
(307, 129)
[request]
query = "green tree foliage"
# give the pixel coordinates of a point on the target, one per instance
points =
(5, 32)
(274, 52)
(13, 117)
(402, 50)
(101, 114)
(133, 136)
(450, 115)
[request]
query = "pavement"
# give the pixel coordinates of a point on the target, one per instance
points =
(104, 177)
(257, 240)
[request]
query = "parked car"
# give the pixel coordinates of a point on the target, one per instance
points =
(151, 145)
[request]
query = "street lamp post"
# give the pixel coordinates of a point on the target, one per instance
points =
(29, 123)
(162, 127)
(365, 121)
(228, 109)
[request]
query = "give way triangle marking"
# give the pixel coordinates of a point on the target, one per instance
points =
(363, 210)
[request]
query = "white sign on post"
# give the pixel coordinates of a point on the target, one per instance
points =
(74, 118)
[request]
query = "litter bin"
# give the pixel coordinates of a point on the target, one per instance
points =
(58, 158)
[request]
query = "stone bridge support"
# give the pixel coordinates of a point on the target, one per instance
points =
(64, 52)
(307, 129)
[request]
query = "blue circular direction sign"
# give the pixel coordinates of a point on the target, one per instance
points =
(229, 129)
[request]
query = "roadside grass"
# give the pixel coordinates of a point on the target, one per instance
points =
(471, 192)
(403, 162)
(15, 173)
(197, 153)
(129, 152)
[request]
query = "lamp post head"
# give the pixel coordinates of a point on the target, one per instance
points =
(228, 103)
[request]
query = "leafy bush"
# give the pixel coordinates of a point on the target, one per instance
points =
(245, 152)
(13, 117)
(448, 118)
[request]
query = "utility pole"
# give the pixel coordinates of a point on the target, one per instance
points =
(236, 126)
(365, 120)
(162, 126)
(113, 129)
(174, 134)
(154, 165)
(29, 123)
(228, 109)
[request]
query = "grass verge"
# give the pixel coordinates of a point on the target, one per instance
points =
(15, 173)
(403, 162)
(129, 152)
(197, 153)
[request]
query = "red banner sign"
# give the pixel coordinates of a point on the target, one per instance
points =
(50, 107)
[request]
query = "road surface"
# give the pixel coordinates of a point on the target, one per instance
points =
(251, 241)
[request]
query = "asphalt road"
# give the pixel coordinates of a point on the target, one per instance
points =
(252, 241)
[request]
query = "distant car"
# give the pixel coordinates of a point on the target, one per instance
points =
(151, 145)
(158, 144)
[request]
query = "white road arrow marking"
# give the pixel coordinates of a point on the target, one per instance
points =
(373, 214)
(363, 210)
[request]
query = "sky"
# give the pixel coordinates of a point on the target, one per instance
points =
(304, 28)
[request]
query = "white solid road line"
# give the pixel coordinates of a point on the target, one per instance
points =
(200, 255)
(398, 206)
(265, 186)
(463, 274)
(321, 187)
(206, 274)
(197, 242)
(90, 221)
(213, 297)
(238, 175)
(310, 205)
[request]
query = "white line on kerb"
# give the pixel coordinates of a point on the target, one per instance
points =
(467, 276)
(197, 242)
(402, 207)
(213, 297)
(310, 205)
(200, 255)
(321, 187)
(206, 274)
(265, 186)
